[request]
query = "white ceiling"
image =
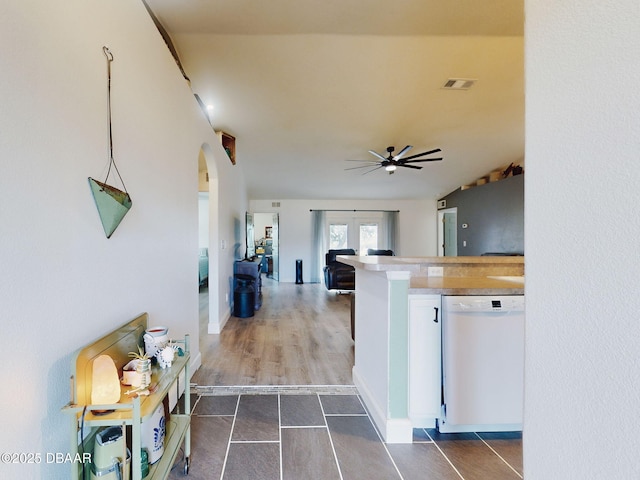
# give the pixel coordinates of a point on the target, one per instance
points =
(305, 85)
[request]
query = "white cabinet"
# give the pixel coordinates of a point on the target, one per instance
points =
(425, 326)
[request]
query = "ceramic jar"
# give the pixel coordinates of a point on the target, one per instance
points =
(155, 339)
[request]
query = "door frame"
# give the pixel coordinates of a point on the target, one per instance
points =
(275, 238)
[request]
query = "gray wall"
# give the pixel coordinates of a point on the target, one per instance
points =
(494, 213)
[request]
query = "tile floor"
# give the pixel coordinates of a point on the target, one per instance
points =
(325, 434)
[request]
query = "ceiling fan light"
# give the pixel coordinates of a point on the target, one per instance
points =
(390, 168)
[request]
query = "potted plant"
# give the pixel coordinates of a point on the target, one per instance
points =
(143, 367)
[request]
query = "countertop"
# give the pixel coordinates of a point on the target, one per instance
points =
(382, 263)
(461, 275)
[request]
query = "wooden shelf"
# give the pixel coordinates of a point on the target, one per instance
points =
(177, 427)
(162, 379)
(132, 411)
(229, 144)
(494, 176)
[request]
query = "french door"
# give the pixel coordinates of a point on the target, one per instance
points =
(359, 233)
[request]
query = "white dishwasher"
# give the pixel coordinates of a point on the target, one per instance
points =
(482, 363)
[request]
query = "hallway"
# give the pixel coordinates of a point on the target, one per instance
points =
(300, 336)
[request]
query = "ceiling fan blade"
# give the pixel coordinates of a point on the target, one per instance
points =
(377, 155)
(373, 170)
(361, 166)
(421, 160)
(409, 166)
(363, 161)
(402, 152)
(421, 154)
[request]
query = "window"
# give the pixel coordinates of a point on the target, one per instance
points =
(368, 237)
(338, 236)
(359, 232)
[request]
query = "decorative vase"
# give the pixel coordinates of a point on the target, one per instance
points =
(144, 370)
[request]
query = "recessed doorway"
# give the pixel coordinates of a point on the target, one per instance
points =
(207, 241)
(267, 245)
(448, 232)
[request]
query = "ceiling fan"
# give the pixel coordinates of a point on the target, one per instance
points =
(392, 162)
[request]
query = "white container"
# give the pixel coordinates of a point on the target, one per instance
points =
(131, 377)
(153, 431)
(155, 339)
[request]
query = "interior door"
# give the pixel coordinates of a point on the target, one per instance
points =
(448, 232)
(275, 248)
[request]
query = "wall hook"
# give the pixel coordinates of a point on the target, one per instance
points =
(107, 53)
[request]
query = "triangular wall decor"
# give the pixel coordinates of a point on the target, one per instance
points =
(112, 204)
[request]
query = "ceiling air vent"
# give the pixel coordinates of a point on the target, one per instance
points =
(275, 204)
(458, 84)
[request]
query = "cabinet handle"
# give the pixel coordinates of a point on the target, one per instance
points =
(435, 320)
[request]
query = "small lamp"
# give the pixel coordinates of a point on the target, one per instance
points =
(105, 384)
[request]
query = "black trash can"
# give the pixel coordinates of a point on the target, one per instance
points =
(243, 296)
(299, 272)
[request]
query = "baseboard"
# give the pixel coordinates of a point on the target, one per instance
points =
(375, 412)
(196, 362)
(215, 328)
(392, 430)
(399, 430)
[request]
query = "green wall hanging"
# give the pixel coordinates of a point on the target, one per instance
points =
(111, 202)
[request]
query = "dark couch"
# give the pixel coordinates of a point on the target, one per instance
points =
(337, 275)
(387, 253)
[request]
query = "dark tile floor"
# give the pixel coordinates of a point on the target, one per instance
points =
(325, 436)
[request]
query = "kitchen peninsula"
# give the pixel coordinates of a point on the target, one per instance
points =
(398, 314)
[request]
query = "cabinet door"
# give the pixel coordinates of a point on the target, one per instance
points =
(424, 359)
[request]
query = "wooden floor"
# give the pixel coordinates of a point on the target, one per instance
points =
(300, 336)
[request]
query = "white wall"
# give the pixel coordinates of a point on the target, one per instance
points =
(63, 284)
(582, 398)
(227, 206)
(417, 227)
